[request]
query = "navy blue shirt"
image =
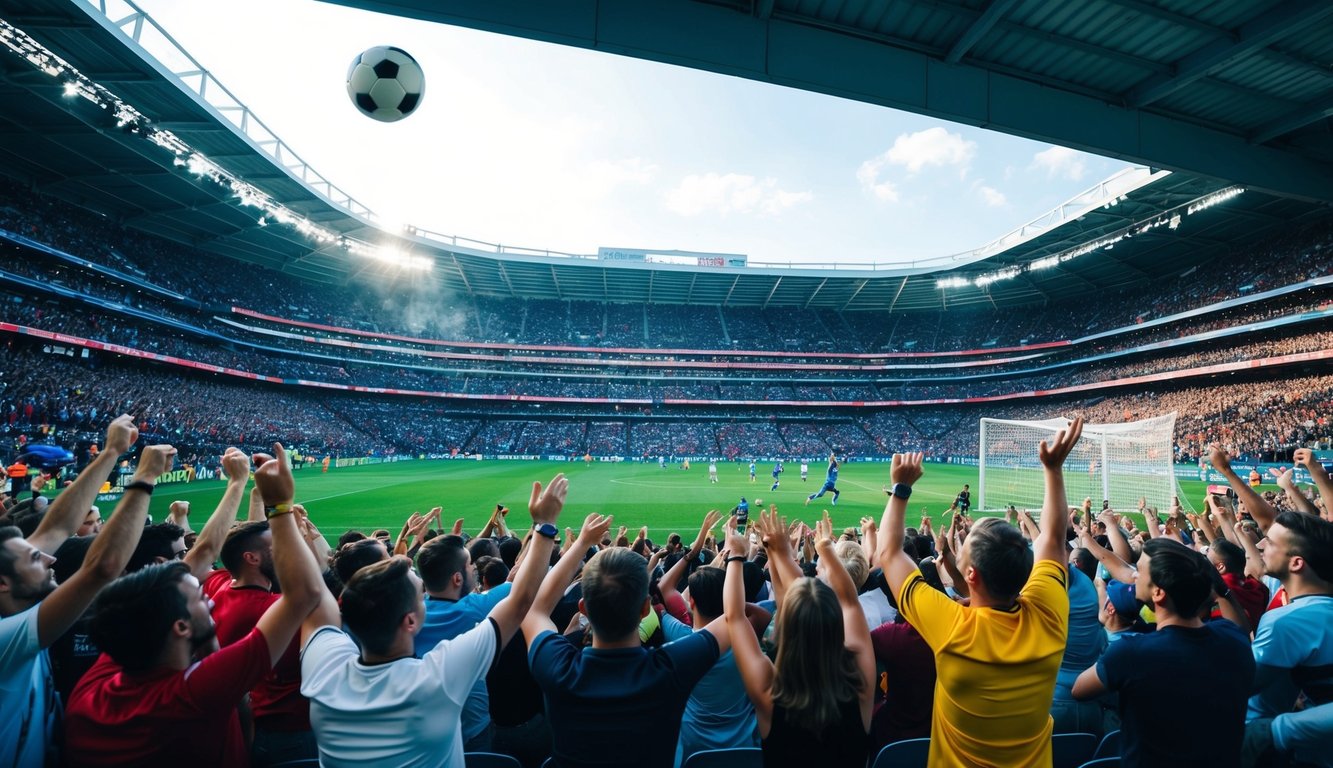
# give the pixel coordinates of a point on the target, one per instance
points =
(639, 694)
(1182, 694)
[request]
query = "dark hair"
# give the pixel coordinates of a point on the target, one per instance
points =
(242, 538)
(509, 549)
(754, 580)
(492, 572)
(350, 537)
(482, 547)
(1085, 561)
(615, 584)
(1231, 555)
(930, 573)
(1183, 574)
(375, 601)
(355, 556)
(132, 615)
(70, 555)
(7, 558)
(1312, 540)
(155, 542)
(439, 559)
(1001, 558)
(706, 589)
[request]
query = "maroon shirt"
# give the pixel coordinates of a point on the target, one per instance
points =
(910, 668)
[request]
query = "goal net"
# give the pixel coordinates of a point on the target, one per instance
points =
(1117, 462)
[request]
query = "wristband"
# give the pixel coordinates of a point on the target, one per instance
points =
(901, 491)
(734, 558)
(277, 511)
(140, 485)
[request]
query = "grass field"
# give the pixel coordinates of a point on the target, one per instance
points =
(665, 500)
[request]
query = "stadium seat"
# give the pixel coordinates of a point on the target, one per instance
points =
(908, 753)
(737, 757)
(1070, 750)
(1103, 762)
(1110, 746)
(489, 760)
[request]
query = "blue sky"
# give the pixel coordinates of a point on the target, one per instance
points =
(545, 146)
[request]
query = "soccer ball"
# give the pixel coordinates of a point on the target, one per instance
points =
(386, 83)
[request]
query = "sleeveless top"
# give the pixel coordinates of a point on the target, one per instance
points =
(845, 742)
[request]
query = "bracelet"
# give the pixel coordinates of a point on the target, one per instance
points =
(140, 485)
(277, 511)
(734, 558)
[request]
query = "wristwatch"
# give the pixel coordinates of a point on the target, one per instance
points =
(546, 529)
(902, 491)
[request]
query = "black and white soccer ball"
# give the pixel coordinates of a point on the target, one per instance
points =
(386, 83)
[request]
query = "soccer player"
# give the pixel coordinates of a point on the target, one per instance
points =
(712, 470)
(752, 471)
(805, 471)
(777, 475)
(830, 482)
(964, 499)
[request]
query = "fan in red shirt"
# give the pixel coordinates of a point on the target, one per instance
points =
(241, 593)
(1229, 559)
(157, 695)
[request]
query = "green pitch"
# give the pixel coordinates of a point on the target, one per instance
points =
(665, 500)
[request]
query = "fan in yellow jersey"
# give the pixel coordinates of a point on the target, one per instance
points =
(995, 661)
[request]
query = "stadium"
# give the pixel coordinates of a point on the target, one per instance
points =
(169, 257)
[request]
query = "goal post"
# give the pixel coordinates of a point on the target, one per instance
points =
(1120, 463)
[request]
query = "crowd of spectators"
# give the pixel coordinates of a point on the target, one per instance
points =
(992, 638)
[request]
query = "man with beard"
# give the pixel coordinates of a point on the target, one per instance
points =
(34, 612)
(163, 690)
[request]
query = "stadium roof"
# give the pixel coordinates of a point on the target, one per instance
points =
(74, 149)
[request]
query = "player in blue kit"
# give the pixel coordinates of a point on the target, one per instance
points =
(777, 475)
(830, 481)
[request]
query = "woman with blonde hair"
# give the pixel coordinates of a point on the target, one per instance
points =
(814, 702)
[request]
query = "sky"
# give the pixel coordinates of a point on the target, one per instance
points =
(553, 147)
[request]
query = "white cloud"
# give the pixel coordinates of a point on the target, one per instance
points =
(1060, 161)
(868, 175)
(731, 193)
(993, 197)
(933, 146)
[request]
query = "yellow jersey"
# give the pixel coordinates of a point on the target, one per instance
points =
(995, 670)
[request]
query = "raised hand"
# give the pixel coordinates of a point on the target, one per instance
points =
(417, 524)
(545, 503)
(824, 529)
(274, 478)
(236, 465)
(154, 461)
(1218, 457)
(1053, 455)
(179, 509)
(906, 468)
(737, 545)
(120, 435)
(773, 532)
(710, 522)
(594, 528)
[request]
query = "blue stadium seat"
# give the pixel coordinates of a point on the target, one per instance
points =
(1070, 750)
(737, 757)
(1103, 762)
(908, 753)
(489, 760)
(1110, 746)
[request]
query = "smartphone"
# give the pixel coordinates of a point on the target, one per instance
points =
(1219, 490)
(742, 516)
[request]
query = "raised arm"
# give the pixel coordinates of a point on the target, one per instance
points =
(1050, 545)
(856, 634)
(755, 669)
(1261, 510)
(205, 551)
(64, 516)
(303, 591)
(538, 618)
(255, 511)
(897, 566)
(1115, 536)
(1117, 568)
(672, 577)
(544, 506)
(1305, 458)
(110, 551)
(944, 547)
(870, 540)
(1254, 559)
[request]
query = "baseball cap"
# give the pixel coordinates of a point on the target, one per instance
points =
(1122, 598)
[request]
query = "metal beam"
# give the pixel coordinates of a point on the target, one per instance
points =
(1289, 122)
(795, 50)
(973, 34)
(894, 303)
(815, 293)
(771, 292)
(1270, 26)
